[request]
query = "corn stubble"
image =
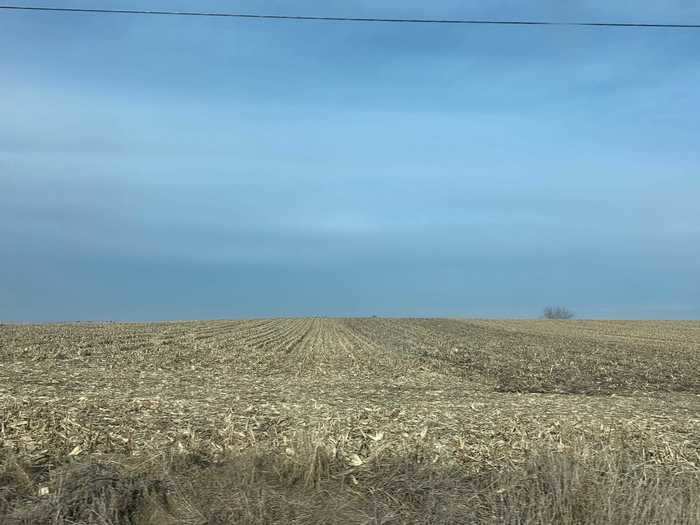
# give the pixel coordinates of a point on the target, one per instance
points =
(366, 421)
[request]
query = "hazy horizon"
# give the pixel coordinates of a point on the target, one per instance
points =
(156, 168)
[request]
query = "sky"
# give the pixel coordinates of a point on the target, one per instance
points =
(157, 168)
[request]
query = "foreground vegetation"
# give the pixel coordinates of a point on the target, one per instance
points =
(350, 421)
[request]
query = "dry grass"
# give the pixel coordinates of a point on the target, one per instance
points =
(350, 421)
(572, 485)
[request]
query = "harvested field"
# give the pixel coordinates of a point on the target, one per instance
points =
(350, 421)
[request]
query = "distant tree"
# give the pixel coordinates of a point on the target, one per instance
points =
(557, 312)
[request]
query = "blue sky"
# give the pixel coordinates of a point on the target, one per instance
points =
(179, 168)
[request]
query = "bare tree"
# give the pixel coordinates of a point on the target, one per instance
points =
(557, 312)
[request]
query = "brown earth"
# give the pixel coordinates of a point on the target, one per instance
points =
(350, 421)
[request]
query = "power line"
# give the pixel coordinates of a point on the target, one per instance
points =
(346, 19)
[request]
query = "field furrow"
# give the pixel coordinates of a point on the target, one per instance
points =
(316, 402)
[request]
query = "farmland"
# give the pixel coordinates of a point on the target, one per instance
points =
(350, 421)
